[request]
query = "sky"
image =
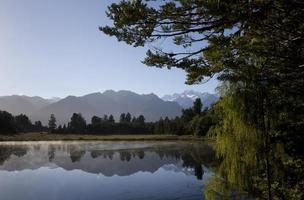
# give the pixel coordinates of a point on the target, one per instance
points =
(53, 48)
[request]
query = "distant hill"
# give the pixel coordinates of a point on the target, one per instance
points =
(109, 102)
(16, 104)
(187, 98)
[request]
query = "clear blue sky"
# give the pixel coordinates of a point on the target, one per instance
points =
(54, 48)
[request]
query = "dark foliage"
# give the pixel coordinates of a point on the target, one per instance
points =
(107, 125)
(192, 122)
(7, 123)
(10, 124)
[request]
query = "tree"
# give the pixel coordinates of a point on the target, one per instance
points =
(197, 106)
(177, 127)
(167, 126)
(128, 118)
(105, 118)
(134, 119)
(59, 129)
(96, 121)
(77, 123)
(200, 125)
(38, 126)
(140, 119)
(187, 114)
(64, 129)
(23, 123)
(122, 118)
(7, 125)
(111, 119)
(52, 123)
(159, 127)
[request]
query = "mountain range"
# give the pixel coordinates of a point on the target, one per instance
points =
(186, 98)
(99, 104)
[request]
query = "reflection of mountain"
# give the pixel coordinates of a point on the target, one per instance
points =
(187, 158)
(118, 165)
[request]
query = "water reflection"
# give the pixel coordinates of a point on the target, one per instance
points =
(184, 165)
(8, 150)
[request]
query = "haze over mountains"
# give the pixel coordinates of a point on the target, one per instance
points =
(99, 104)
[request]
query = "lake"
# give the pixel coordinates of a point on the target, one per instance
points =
(104, 170)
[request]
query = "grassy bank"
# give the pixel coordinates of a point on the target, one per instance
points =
(71, 137)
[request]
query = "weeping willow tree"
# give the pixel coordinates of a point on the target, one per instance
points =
(254, 160)
(238, 146)
(237, 140)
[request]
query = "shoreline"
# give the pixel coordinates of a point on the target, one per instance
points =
(23, 137)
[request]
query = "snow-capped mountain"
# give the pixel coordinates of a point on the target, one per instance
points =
(53, 99)
(187, 98)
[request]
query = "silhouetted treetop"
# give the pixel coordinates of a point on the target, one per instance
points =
(214, 36)
(52, 122)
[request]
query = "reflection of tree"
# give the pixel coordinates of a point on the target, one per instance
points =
(5, 154)
(110, 155)
(36, 147)
(20, 152)
(190, 162)
(51, 152)
(7, 151)
(161, 155)
(104, 153)
(141, 154)
(76, 154)
(95, 154)
(193, 156)
(198, 171)
(125, 156)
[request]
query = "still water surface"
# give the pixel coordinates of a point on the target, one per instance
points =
(104, 170)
